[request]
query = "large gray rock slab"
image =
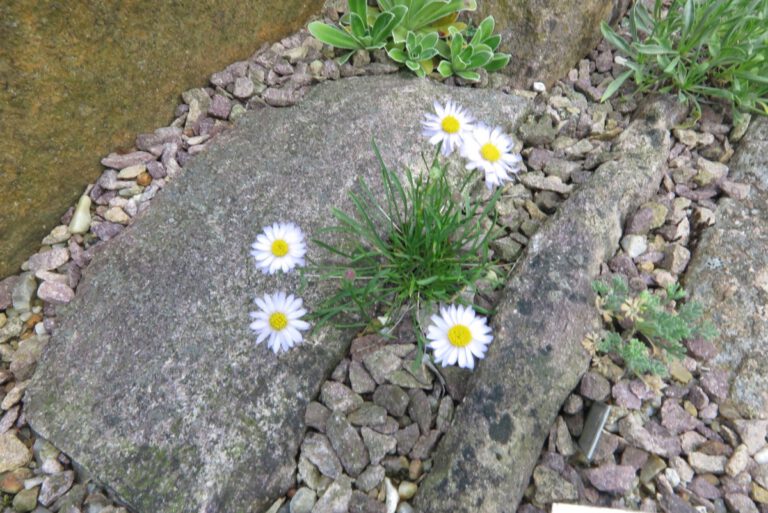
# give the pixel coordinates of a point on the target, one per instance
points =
(546, 38)
(484, 462)
(728, 275)
(153, 382)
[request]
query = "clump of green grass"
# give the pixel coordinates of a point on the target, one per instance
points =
(647, 330)
(698, 49)
(422, 244)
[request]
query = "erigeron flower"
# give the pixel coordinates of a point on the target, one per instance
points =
(279, 321)
(280, 246)
(450, 125)
(490, 150)
(458, 335)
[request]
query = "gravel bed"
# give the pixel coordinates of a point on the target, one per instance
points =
(672, 445)
(377, 419)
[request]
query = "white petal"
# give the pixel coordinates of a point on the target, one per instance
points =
(300, 325)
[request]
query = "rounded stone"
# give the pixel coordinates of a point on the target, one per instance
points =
(13, 453)
(407, 490)
(634, 245)
(26, 500)
(303, 501)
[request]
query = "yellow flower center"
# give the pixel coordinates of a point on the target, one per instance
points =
(278, 321)
(459, 336)
(490, 152)
(279, 248)
(450, 125)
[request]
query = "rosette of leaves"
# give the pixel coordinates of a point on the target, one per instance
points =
(647, 330)
(425, 16)
(418, 52)
(365, 29)
(462, 58)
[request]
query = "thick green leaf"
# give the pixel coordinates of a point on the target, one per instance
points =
(614, 39)
(687, 17)
(484, 30)
(429, 40)
(358, 7)
(396, 29)
(457, 43)
(358, 26)
(648, 49)
(386, 5)
(493, 41)
(443, 49)
(671, 66)
(752, 77)
(479, 59)
(615, 85)
(423, 13)
(498, 61)
(397, 55)
(645, 23)
(472, 76)
(427, 54)
(344, 58)
(382, 27)
(413, 66)
(445, 69)
(465, 54)
(410, 40)
(333, 36)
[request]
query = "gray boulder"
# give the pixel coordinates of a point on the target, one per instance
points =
(728, 275)
(548, 37)
(153, 382)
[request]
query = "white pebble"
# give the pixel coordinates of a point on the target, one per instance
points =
(761, 457)
(40, 329)
(31, 483)
(634, 245)
(131, 172)
(539, 87)
(81, 219)
(392, 497)
(672, 477)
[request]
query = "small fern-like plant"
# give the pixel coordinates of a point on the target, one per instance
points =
(647, 330)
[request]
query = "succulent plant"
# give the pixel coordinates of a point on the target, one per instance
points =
(462, 58)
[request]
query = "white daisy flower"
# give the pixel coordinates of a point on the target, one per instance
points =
(491, 151)
(451, 125)
(280, 246)
(279, 321)
(458, 335)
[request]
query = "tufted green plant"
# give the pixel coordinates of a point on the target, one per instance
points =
(421, 244)
(463, 58)
(698, 49)
(417, 53)
(367, 29)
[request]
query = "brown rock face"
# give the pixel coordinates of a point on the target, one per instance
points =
(77, 81)
(547, 37)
